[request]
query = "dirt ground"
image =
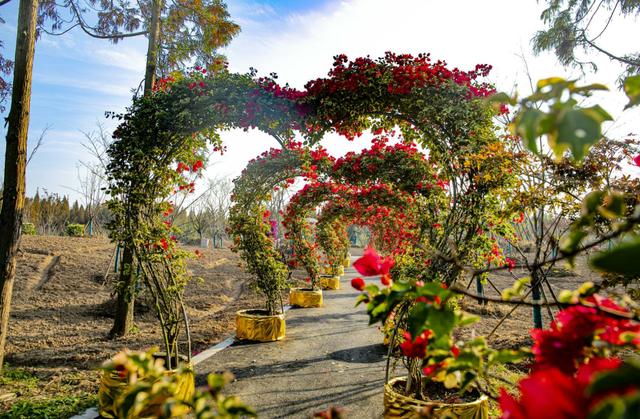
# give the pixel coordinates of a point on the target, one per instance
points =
(508, 325)
(61, 311)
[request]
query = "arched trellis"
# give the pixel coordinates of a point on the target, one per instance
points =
(430, 104)
(351, 200)
(249, 218)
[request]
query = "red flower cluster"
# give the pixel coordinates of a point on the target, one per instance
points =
(553, 394)
(636, 160)
(358, 283)
(562, 346)
(416, 348)
(371, 263)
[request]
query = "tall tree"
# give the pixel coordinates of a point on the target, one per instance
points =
(575, 25)
(15, 161)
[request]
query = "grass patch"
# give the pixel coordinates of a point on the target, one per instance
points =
(46, 393)
(53, 408)
(17, 377)
(507, 377)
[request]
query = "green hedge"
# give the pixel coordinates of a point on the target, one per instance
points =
(29, 229)
(75, 230)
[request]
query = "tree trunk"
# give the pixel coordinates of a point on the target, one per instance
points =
(152, 48)
(15, 161)
(125, 300)
(123, 316)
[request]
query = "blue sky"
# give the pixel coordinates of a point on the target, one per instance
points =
(77, 78)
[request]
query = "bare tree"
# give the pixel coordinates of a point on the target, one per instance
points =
(92, 174)
(218, 203)
(15, 164)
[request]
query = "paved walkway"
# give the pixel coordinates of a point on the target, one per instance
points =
(330, 357)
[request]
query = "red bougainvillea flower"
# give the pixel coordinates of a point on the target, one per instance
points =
(358, 283)
(519, 219)
(636, 160)
(455, 351)
(121, 370)
(510, 263)
(416, 348)
(432, 369)
(164, 244)
(562, 345)
(371, 263)
(551, 394)
(197, 166)
(386, 280)
(547, 393)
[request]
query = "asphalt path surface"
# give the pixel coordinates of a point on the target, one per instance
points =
(329, 357)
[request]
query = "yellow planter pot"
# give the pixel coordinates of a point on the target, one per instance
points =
(397, 405)
(258, 326)
(300, 297)
(112, 387)
(333, 272)
(347, 262)
(330, 282)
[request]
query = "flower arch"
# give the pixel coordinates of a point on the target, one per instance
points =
(434, 106)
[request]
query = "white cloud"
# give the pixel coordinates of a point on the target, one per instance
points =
(97, 86)
(120, 57)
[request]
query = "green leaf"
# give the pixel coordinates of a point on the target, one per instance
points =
(441, 321)
(571, 241)
(578, 130)
(632, 89)
(527, 126)
(623, 259)
(586, 90)
(507, 355)
(417, 320)
(614, 205)
(591, 202)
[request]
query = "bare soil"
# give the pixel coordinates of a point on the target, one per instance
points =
(62, 309)
(509, 325)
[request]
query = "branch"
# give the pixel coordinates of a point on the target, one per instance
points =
(610, 55)
(614, 313)
(88, 29)
(3, 2)
(628, 226)
(38, 144)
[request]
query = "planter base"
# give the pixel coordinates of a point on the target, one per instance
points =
(112, 386)
(347, 262)
(305, 298)
(258, 326)
(330, 282)
(397, 405)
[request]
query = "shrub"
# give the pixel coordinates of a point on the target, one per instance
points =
(29, 229)
(75, 230)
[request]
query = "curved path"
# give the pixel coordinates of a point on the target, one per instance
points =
(330, 357)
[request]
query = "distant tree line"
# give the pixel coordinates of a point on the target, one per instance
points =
(51, 213)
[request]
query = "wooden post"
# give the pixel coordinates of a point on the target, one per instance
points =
(15, 161)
